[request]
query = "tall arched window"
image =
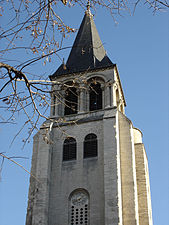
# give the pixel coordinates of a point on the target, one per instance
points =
(69, 149)
(90, 146)
(79, 208)
(95, 96)
(71, 101)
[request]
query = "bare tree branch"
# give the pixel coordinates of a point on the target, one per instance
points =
(35, 31)
(16, 163)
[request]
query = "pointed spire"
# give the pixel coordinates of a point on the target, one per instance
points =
(87, 52)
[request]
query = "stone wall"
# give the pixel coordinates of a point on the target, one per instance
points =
(143, 186)
(128, 172)
(96, 175)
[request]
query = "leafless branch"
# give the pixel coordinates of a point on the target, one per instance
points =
(16, 163)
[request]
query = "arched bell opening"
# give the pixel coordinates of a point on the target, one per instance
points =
(95, 96)
(71, 101)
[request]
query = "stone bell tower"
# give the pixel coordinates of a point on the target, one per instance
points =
(92, 168)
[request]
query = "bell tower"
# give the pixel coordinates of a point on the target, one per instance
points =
(88, 158)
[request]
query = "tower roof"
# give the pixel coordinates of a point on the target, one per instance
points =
(87, 52)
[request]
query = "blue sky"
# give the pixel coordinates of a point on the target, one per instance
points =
(139, 46)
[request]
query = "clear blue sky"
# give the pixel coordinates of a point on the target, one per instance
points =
(139, 46)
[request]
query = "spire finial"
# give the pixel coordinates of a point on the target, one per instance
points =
(88, 7)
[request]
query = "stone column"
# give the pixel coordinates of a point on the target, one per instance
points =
(61, 103)
(52, 105)
(81, 100)
(108, 94)
(87, 100)
(114, 94)
(111, 94)
(103, 95)
(57, 101)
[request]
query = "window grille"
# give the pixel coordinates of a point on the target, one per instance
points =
(71, 101)
(90, 146)
(69, 149)
(95, 97)
(79, 208)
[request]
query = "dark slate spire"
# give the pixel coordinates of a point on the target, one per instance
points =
(87, 52)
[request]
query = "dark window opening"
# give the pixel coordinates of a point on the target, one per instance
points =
(90, 146)
(71, 101)
(54, 104)
(95, 97)
(69, 149)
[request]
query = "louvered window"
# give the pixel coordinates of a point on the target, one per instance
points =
(95, 97)
(71, 101)
(90, 146)
(69, 149)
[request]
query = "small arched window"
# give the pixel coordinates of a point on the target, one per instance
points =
(79, 211)
(71, 101)
(95, 97)
(90, 146)
(69, 149)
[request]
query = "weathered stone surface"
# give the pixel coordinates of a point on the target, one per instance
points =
(143, 185)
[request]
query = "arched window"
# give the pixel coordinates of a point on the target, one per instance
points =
(95, 97)
(69, 149)
(71, 101)
(90, 146)
(79, 208)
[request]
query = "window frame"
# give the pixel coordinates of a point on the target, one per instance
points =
(71, 101)
(95, 96)
(69, 149)
(90, 146)
(79, 210)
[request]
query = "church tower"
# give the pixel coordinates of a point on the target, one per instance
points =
(88, 159)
